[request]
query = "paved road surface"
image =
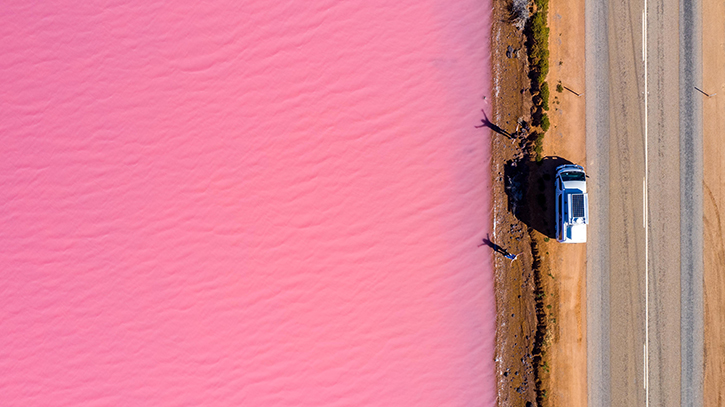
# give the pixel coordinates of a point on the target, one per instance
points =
(644, 259)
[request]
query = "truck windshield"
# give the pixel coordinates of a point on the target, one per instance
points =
(572, 176)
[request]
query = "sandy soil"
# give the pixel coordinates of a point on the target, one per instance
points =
(567, 384)
(713, 50)
(563, 267)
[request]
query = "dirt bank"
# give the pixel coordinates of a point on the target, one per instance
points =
(516, 317)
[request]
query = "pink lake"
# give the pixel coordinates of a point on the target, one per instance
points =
(257, 203)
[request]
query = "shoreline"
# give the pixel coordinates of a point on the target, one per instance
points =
(514, 283)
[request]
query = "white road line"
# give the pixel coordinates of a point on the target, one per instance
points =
(644, 216)
(644, 203)
(645, 361)
(644, 36)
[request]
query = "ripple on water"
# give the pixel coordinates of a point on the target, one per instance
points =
(257, 203)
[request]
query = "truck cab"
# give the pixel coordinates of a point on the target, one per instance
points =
(572, 204)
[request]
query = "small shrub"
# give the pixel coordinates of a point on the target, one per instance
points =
(559, 88)
(542, 6)
(539, 29)
(544, 66)
(537, 41)
(545, 95)
(539, 47)
(545, 124)
(539, 147)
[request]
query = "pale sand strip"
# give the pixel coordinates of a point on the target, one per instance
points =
(566, 138)
(713, 55)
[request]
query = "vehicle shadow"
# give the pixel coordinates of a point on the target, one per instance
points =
(530, 189)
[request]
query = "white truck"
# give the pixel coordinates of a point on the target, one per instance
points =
(572, 204)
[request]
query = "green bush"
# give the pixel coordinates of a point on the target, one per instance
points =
(545, 124)
(542, 6)
(537, 33)
(545, 95)
(539, 147)
(559, 88)
(539, 50)
(539, 27)
(544, 67)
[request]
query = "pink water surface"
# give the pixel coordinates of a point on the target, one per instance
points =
(245, 203)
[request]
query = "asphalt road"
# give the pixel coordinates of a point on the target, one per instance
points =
(644, 158)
